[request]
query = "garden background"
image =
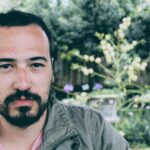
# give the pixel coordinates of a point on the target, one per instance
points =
(101, 58)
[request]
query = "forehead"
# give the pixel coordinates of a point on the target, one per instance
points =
(30, 39)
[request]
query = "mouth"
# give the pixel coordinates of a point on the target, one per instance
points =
(23, 102)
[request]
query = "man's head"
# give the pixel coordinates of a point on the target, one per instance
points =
(25, 67)
(19, 18)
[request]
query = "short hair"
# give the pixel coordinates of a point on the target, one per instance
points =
(18, 18)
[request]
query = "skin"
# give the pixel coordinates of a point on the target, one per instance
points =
(24, 65)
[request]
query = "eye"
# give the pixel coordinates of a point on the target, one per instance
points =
(6, 67)
(37, 65)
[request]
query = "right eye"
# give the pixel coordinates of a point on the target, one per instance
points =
(6, 67)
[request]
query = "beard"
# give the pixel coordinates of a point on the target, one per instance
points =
(25, 115)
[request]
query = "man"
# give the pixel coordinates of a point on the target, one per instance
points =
(30, 119)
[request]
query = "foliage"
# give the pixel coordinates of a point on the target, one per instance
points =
(75, 24)
(140, 30)
(135, 125)
(78, 23)
(118, 70)
(120, 66)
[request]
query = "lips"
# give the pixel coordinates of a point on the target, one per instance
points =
(24, 102)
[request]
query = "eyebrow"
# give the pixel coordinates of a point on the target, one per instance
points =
(31, 59)
(7, 60)
(38, 58)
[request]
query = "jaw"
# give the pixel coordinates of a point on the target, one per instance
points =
(24, 116)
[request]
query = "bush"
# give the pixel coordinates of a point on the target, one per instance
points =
(134, 123)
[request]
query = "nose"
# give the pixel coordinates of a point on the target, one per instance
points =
(22, 81)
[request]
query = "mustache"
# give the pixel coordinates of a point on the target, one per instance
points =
(26, 94)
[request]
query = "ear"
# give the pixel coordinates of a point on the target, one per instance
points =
(53, 79)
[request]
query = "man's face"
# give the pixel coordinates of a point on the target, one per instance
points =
(25, 74)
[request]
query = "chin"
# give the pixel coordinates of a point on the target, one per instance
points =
(24, 116)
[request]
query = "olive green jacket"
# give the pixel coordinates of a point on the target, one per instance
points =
(79, 128)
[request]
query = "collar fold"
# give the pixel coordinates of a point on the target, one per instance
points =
(58, 126)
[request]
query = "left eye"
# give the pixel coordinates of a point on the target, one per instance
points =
(37, 65)
(6, 67)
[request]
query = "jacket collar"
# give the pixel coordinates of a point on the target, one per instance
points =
(58, 126)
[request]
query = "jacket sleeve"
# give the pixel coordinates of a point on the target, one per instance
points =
(94, 131)
(106, 136)
(112, 140)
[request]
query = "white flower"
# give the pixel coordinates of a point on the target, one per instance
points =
(103, 47)
(77, 53)
(108, 57)
(98, 60)
(136, 65)
(121, 34)
(125, 67)
(103, 42)
(135, 106)
(125, 24)
(91, 58)
(85, 71)
(111, 101)
(107, 37)
(86, 57)
(69, 101)
(137, 59)
(109, 47)
(133, 77)
(131, 74)
(127, 21)
(136, 99)
(85, 87)
(118, 80)
(143, 98)
(125, 48)
(130, 69)
(130, 113)
(143, 66)
(122, 26)
(148, 107)
(134, 43)
(83, 94)
(139, 8)
(91, 70)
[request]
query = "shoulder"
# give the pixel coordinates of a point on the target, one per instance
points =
(84, 114)
(101, 132)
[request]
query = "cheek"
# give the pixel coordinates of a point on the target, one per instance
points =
(43, 86)
(6, 84)
(46, 90)
(5, 90)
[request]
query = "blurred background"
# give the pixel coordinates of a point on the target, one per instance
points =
(101, 58)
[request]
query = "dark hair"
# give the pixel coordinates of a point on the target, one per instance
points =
(19, 18)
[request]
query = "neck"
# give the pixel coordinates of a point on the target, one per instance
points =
(12, 137)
